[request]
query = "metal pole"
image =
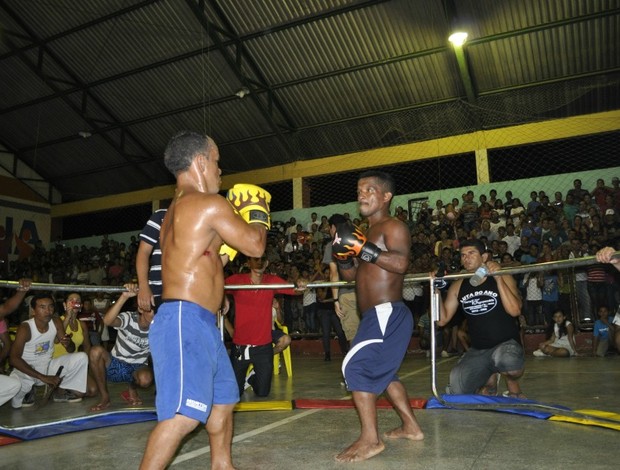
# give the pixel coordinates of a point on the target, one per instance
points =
(562, 264)
(504, 406)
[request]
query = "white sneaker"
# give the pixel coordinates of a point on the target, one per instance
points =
(444, 353)
(247, 383)
(539, 353)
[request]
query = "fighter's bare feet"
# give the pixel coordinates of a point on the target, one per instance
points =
(401, 433)
(359, 451)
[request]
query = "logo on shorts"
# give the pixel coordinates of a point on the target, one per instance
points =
(196, 405)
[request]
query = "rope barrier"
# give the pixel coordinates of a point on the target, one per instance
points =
(423, 277)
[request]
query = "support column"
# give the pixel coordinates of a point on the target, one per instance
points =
(301, 194)
(482, 166)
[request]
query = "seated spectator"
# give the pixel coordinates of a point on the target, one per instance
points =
(560, 338)
(9, 386)
(90, 317)
(603, 330)
(128, 361)
(485, 231)
(5, 345)
(77, 331)
(31, 356)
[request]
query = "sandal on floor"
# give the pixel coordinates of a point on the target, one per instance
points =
(519, 395)
(133, 402)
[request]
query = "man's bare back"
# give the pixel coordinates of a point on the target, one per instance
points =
(190, 250)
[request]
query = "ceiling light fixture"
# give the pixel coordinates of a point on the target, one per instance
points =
(243, 92)
(458, 38)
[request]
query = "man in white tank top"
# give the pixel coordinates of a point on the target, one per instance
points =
(31, 356)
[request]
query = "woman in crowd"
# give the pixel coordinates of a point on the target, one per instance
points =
(78, 331)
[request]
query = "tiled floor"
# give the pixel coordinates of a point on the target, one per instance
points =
(309, 439)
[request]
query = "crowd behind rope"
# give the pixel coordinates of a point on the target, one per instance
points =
(515, 230)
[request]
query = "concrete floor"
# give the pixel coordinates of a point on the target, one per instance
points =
(309, 439)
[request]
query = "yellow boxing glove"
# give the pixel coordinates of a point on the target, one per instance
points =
(227, 250)
(252, 203)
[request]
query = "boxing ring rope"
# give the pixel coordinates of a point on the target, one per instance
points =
(562, 264)
(546, 266)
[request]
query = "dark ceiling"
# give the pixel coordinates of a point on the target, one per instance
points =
(90, 91)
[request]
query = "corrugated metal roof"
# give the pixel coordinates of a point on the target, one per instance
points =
(325, 77)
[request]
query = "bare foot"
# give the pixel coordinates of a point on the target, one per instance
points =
(400, 433)
(359, 451)
(100, 406)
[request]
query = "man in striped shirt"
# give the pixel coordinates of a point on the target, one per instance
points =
(128, 361)
(148, 262)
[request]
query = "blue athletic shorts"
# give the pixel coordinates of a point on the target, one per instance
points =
(378, 349)
(192, 369)
(120, 371)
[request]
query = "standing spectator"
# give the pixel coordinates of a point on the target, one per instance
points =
(309, 301)
(550, 296)
(577, 192)
(148, 263)
(330, 320)
(345, 303)
(533, 282)
(469, 209)
(252, 338)
(600, 192)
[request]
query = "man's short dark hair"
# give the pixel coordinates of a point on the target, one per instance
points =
(477, 244)
(182, 148)
(39, 296)
(336, 219)
(387, 180)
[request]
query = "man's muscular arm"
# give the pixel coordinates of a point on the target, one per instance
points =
(397, 240)
(508, 291)
(449, 306)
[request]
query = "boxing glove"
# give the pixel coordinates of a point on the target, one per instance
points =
(251, 202)
(227, 250)
(350, 241)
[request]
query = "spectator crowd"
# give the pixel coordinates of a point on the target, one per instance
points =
(515, 232)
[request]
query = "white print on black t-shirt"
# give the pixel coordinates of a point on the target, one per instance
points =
(479, 302)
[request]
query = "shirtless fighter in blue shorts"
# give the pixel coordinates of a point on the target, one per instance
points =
(377, 261)
(194, 377)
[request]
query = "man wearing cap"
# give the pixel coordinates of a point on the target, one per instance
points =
(610, 222)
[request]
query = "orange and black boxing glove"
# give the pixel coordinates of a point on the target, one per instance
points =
(349, 241)
(251, 202)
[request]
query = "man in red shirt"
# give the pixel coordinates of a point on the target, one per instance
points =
(252, 336)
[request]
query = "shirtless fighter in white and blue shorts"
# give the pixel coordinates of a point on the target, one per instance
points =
(377, 261)
(378, 348)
